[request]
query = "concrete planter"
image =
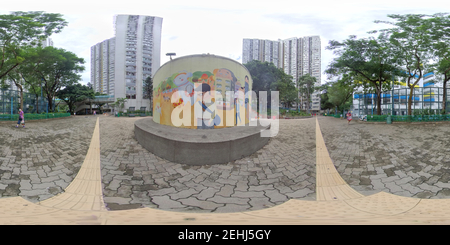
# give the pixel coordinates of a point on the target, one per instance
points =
(199, 146)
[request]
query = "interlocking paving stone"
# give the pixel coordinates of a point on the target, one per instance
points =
(402, 159)
(380, 208)
(288, 158)
(39, 161)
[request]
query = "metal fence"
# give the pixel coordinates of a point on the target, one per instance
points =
(395, 102)
(30, 116)
(399, 118)
(406, 118)
(10, 102)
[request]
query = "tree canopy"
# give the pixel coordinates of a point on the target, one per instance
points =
(75, 93)
(439, 30)
(410, 41)
(412, 46)
(267, 77)
(306, 88)
(366, 59)
(148, 90)
(21, 29)
(56, 68)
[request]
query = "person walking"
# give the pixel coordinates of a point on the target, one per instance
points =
(349, 117)
(21, 119)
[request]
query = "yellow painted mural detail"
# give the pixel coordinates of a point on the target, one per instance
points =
(181, 85)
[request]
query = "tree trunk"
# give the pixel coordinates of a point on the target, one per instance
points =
(20, 87)
(49, 103)
(444, 96)
(37, 104)
(411, 92)
(21, 98)
(71, 109)
(151, 104)
(378, 101)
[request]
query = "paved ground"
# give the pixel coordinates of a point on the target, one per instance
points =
(41, 160)
(397, 162)
(133, 177)
(410, 160)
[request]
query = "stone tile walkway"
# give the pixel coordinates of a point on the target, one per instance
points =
(291, 181)
(41, 160)
(133, 177)
(410, 160)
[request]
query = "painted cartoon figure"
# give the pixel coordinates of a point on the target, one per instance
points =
(157, 114)
(205, 112)
(226, 80)
(247, 99)
(185, 87)
(238, 101)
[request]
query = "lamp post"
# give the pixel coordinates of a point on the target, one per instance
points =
(170, 55)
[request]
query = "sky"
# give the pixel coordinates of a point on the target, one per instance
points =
(219, 27)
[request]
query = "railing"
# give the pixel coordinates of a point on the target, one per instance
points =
(412, 118)
(134, 114)
(333, 115)
(15, 117)
(97, 98)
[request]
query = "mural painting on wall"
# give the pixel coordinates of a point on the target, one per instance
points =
(184, 89)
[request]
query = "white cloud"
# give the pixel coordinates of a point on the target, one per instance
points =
(200, 26)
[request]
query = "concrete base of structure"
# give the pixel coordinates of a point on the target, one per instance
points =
(199, 146)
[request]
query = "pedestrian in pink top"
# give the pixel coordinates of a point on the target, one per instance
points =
(21, 119)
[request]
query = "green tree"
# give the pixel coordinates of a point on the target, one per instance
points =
(324, 99)
(15, 77)
(20, 29)
(120, 103)
(267, 77)
(288, 93)
(368, 59)
(440, 36)
(22, 76)
(75, 93)
(32, 84)
(411, 44)
(340, 92)
(56, 68)
(306, 88)
(264, 76)
(148, 90)
(325, 102)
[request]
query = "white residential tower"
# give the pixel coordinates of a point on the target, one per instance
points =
(120, 65)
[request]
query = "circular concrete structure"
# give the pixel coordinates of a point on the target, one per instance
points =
(201, 112)
(178, 87)
(199, 147)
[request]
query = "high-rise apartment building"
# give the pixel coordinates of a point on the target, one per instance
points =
(296, 56)
(262, 50)
(102, 66)
(120, 65)
(47, 42)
